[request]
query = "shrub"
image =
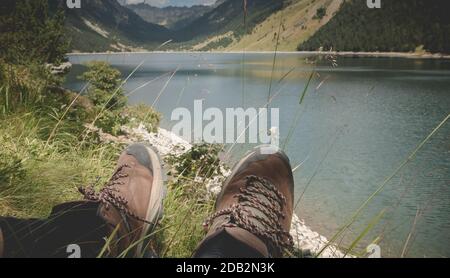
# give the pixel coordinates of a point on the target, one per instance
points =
(104, 85)
(202, 160)
(107, 96)
(320, 13)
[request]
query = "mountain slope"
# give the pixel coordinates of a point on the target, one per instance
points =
(229, 17)
(170, 17)
(299, 22)
(400, 25)
(106, 25)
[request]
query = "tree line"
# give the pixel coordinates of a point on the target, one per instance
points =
(398, 26)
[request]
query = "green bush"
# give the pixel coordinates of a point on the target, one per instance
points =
(202, 160)
(107, 96)
(104, 85)
(320, 13)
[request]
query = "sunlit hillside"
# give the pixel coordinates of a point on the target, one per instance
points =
(296, 23)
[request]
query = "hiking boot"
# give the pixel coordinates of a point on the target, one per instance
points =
(255, 206)
(132, 201)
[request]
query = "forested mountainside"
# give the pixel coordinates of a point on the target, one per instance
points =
(400, 25)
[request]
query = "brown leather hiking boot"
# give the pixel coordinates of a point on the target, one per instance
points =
(255, 206)
(132, 201)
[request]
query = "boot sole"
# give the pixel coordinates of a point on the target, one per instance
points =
(155, 209)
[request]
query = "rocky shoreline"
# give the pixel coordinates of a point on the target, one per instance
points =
(306, 240)
(352, 54)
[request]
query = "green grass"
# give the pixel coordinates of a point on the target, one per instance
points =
(187, 205)
(36, 176)
(46, 157)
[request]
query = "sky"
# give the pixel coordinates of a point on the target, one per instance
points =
(165, 3)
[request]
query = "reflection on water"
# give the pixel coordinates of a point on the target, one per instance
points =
(358, 123)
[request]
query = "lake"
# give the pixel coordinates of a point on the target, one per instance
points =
(358, 122)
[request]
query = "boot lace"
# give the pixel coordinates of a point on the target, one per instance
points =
(239, 215)
(108, 195)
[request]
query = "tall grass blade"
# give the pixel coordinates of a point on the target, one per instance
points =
(299, 111)
(108, 242)
(369, 227)
(408, 239)
(274, 59)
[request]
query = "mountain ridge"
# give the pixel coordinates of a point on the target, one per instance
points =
(108, 26)
(170, 17)
(285, 25)
(228, 16)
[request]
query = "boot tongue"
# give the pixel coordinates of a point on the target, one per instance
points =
(249, 239)
(237, 233)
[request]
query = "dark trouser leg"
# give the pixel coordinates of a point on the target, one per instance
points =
(72, 223)
(225, 246)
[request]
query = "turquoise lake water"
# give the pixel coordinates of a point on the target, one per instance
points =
(359, 121)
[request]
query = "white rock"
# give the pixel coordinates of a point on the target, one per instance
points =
(164, 141)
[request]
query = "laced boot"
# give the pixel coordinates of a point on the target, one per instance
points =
(132, 201)
(255, 206)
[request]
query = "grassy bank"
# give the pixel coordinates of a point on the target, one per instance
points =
(36, 172)
(48, 151)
